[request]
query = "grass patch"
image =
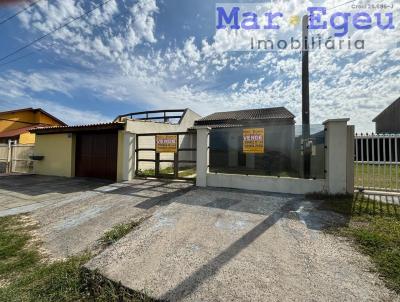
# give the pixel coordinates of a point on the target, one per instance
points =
(58, 281)
(169, 172)
(375, 227)
(376, 176)
(119, 231)
(26, 277)
(14, 258)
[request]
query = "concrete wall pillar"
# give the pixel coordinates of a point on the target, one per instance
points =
(126, 156)
(350, 160)
(336, 160)
(202, 156)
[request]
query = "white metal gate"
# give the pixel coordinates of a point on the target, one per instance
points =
(376, 162)
(16, 158)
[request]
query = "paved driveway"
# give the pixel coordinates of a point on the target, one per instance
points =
(72, 213)
(24, 193)
(229, 245)
(198, 244)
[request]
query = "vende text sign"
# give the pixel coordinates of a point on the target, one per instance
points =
(253, 140)
(166, 143)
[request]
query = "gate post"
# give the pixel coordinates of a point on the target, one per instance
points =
(336, 159)
(202, 157)
(9, 157)
(157, 165)
(350, 160)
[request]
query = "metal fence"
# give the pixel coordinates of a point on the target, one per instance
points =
(16, 158)
(376, 161)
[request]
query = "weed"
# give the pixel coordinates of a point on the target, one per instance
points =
(375, 227)
(119, 231)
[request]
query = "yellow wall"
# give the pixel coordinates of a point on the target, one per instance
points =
(27, 138)
(120, 155)
(59, 154)
(44, 119)
(27, 116)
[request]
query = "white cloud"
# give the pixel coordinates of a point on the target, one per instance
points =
(343, 84)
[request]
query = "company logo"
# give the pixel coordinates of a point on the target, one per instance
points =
(278, 25)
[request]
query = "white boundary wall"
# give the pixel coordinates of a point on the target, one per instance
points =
(338, 140)
(266, 183)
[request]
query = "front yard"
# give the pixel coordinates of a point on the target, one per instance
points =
(374, 227)
(28, 273)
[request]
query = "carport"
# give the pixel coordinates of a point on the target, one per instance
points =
(107, 151)
(82, 151)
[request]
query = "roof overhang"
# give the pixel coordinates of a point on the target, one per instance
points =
(17, 132)
(34, 111)
(79, 128)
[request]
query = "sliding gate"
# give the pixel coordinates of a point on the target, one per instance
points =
(166, 155)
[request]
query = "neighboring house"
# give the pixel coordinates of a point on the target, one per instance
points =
(388, 121)
(104, 150)
(15, 124)
(264, 116)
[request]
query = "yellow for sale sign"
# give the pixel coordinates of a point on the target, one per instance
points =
(253, 140)
(166, 143)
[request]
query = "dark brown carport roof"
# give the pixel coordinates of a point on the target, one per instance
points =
(232, 117)
(79, 128)
(17, 132)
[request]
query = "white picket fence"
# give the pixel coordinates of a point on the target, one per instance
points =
(376, 162)
(16, 158)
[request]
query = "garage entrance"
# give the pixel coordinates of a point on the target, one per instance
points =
(96, 155)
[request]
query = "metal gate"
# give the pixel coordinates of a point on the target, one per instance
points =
(176, 160)
(376, 162)
(16, 158)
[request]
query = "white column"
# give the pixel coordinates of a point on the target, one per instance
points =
(202, 156)
(350, 160)
(126, 156)
(336, 159)
(129, 156)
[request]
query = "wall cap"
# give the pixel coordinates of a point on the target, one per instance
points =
(338, 120)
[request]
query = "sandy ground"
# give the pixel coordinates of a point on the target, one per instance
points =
(228, 245)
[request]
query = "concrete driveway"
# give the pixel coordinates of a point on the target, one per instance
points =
(72, 213)
(229, 245)
(25, 193)
(198, 244)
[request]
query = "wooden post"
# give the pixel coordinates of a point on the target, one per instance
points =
(137, 155)
(157, 165)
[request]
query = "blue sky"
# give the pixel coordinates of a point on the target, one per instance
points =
(134, 55)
